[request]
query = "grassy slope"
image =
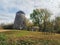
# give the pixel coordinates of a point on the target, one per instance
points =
(37, 37)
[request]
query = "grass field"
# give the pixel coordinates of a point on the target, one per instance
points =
(21, 37)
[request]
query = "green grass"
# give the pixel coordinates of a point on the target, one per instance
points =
(21, 37)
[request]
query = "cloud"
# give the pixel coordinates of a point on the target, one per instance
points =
(8, 8)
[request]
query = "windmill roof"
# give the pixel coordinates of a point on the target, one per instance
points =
(21, 12)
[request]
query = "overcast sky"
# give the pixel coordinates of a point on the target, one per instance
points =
(8, 8)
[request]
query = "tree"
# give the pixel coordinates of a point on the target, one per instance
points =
(40, 16)
(50, 26)
(29, 24)
(57, 24)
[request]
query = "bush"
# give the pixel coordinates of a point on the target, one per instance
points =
(9, 26)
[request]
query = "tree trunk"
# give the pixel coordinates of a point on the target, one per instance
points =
(40, 27)
(44, 28)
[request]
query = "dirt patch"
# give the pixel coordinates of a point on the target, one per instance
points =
(1, 30)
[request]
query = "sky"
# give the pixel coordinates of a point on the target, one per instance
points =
(8, 8)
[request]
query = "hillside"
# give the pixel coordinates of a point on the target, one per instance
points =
(21, 37)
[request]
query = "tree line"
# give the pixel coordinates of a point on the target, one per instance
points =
(41, 18)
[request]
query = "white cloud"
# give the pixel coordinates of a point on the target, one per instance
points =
(10, 7)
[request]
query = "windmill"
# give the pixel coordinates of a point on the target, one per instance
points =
(19, 22)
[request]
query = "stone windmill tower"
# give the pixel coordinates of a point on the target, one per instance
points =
(19, 22)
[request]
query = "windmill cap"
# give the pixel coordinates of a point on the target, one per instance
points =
(21, 12)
